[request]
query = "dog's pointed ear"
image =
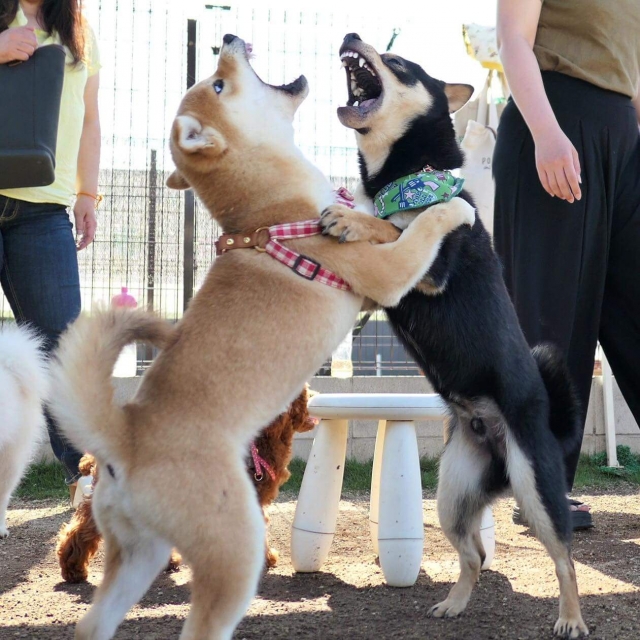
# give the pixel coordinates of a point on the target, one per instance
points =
(177, 181)
(458, 95)
(193, 137)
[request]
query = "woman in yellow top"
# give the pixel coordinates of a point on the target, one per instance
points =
(567, 173)
(38, 261)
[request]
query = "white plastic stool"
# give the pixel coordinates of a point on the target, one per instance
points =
(396, 524)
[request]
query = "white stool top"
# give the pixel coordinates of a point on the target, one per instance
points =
(377, 406)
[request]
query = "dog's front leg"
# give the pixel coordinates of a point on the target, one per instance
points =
(355, 226)
(387, 272)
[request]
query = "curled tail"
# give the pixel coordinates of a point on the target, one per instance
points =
(81, 389)
(564, 406)
(22, 356)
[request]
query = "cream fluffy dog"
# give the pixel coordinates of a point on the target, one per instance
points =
(23, 386)
(252, 336)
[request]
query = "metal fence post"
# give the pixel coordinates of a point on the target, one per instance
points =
(189, 199)
(151, 229)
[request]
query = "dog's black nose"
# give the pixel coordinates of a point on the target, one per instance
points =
(228, 38)
(352, 36)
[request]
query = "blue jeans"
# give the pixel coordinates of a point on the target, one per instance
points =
(40, 278)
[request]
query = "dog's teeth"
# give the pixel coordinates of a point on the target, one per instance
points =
(345, 63)
(356, 103)
(361, 62)
(344, 54)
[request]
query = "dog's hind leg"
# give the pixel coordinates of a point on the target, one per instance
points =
(224, 546)
(13, 460)
(538, 486)
(133, 559)
(461, 500)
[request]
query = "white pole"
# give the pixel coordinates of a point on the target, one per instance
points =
(609, 413)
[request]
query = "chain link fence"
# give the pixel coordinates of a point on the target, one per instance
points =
(160, 243)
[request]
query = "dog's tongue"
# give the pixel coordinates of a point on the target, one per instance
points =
(367, 103)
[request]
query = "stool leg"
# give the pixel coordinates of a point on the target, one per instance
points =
(400, 531)
(314, 523)
(374, 503)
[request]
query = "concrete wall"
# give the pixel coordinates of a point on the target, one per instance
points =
(362, 433)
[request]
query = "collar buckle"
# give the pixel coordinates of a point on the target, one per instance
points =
(307, 271)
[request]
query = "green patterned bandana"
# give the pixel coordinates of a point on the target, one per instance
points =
(417, 191)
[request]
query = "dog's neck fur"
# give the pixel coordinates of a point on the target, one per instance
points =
(427, 141)
(290, 189)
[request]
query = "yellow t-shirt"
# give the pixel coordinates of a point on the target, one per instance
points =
(70, 123)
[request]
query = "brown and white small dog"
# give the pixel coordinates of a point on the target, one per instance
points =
(79, 539)
(252, 336)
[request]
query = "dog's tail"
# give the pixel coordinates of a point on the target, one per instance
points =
(564, 406)
(22, 357)
(82, 394)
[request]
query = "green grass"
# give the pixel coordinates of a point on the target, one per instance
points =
(46, 480)
(592, 473)
(43, 480)
(357, 475)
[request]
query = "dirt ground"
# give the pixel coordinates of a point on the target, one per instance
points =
(348, 599)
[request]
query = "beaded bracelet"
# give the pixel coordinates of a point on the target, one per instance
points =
(99, 198)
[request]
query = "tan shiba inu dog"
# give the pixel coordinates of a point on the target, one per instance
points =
(254, 325)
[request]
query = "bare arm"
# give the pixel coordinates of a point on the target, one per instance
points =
(556, 158)
(88, 165)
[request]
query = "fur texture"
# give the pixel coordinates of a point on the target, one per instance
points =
(253, 325)
(79, 539)
(23, 388)
(513, 412)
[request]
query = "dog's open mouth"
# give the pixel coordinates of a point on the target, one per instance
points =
(293, 88)
(363, 84)
(246, 48)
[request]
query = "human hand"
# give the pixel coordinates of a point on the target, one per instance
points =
(558, 165)
(17, 43)
(84, 212)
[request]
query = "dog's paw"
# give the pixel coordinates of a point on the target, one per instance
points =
(449, 608)
(4, 532)
(174, 562)
(343, 223)
(272, 557)
(455, 213)
(571, 628)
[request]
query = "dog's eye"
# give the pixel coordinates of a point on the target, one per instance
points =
(218, 86)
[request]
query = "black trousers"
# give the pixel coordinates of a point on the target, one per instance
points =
(573, 270)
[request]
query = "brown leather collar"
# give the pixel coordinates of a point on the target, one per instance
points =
(249, 240)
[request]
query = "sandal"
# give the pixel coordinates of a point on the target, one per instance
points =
(580, 519)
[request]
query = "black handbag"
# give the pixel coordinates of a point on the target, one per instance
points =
(30, 94)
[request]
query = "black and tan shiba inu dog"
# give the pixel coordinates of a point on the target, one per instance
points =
(513, 410)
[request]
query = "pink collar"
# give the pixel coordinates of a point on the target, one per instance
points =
(260, 465)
